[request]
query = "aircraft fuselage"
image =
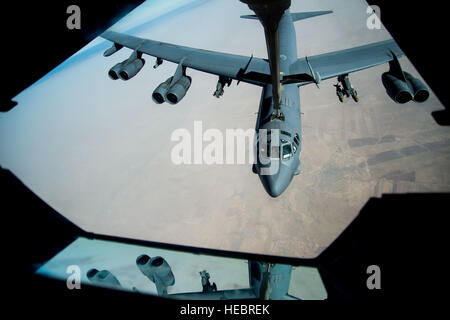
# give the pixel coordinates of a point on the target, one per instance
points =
(277, 173)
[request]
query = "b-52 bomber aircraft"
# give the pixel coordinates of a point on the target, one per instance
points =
(278, 126)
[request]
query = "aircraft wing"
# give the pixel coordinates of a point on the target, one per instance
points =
(241, 68)
(328, 65)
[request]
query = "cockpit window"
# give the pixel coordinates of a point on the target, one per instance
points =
(297, 139)
(287, 151)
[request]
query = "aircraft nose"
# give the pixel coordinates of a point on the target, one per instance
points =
(275, 188)
(277, 183)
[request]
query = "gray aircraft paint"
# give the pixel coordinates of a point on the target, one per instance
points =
(290, 107)
(279, 108)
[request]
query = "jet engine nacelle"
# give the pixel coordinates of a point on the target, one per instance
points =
(159, 94)
(178, 90)
(126, 69)
(157, 270)
(419, 89)
(404, 91)
(171, 93)
(102, 278)
(398, 90)
(113, 73)
(131, 68)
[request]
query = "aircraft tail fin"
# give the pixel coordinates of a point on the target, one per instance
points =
(305, 15)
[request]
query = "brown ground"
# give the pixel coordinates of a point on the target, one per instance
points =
(98, 151)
